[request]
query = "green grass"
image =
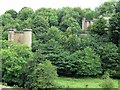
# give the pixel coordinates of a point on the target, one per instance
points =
(81, 83)
(66, 82)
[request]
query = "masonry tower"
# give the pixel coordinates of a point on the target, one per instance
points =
(23, 37)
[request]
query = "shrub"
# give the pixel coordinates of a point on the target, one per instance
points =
(86, 62)
(43, 76)
(14, 60)
(106, 75)
(98, 27)
(107, 84)
(109, 57)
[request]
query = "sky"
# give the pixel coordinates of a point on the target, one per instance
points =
(36, 4)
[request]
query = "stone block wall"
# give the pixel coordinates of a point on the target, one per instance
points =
(86, 24)
(23, 37)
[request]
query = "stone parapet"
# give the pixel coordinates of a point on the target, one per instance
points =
(23, 37)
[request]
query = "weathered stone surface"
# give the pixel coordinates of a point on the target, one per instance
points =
(23, 37)
(86, 24)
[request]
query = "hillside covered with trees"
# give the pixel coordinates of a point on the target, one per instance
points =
(59, 47)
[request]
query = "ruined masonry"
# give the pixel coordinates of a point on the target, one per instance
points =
(23, 37)
(86, 23)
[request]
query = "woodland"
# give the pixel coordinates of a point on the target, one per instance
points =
(59, 48)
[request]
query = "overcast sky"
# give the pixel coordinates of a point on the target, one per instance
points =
(35, 4)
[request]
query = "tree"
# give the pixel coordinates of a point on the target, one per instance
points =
(114, 27)
(5, 35)
(79, 16)
(72, 43)
(89, 14)
(25, 13)
(107, 51)
(19, 21)
(8, 21)
(43, 76)
(51, 50)
(6, 44)
(109, 58)
(12, 12)
(86, 62)
(106, 9)
(68, 21)
(75, 13)
(14, 60)
(99, 27)
(49, 14)
(117, 74)
(63, 12)
(26, 24)
(117, 10)
(40, 27)
(55, 34)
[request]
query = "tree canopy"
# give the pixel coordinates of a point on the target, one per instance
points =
(58, 38)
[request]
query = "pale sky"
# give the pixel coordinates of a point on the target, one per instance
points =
(36, 4)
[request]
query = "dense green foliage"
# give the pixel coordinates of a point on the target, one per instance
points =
(106, 9)
(42, 77)
(89, 14)
(58, 38)
(85, 62)
(25, 13)
(14, 60)
(114, 32)
(114, 25)
(98, 27)
(12, 12)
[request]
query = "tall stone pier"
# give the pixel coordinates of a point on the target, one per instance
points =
(86, 24)
(27, 37)
(23, 37)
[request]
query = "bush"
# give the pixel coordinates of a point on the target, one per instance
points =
(107, 84)
(109, 58)
(86, 62)
(14, 60)
(43, 76)
(98, 27)
(106, 75)
(6, 44)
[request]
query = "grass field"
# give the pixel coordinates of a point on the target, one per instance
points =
(66, 82)
(81, 83)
